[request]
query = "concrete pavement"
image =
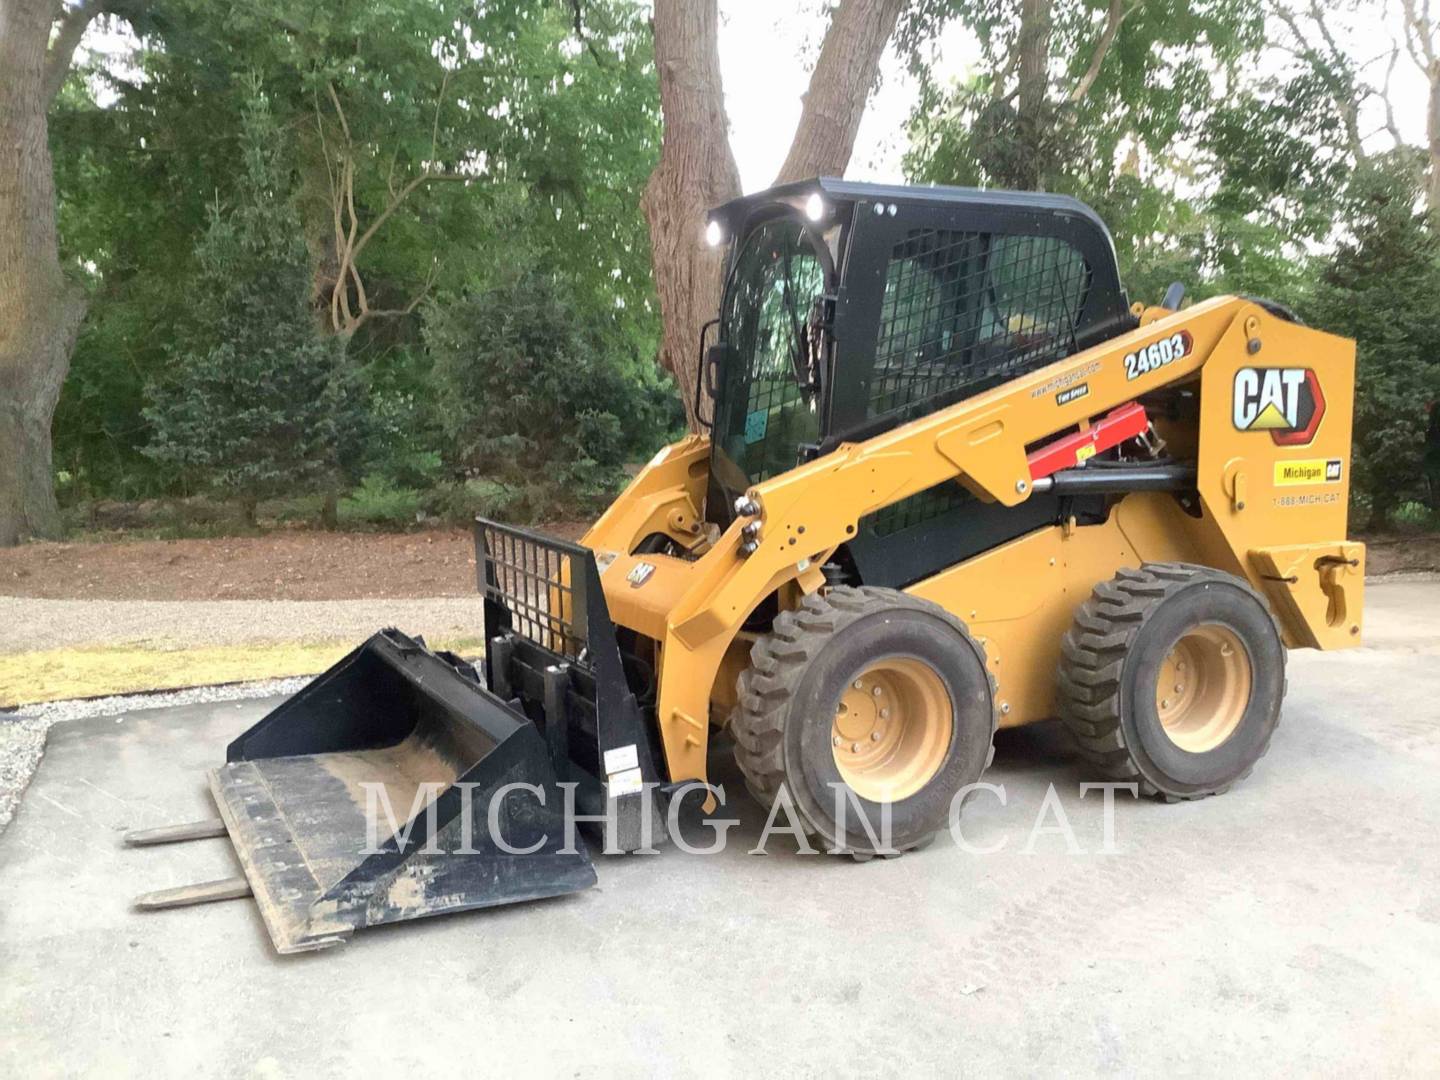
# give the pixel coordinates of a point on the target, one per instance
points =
(1292, 924)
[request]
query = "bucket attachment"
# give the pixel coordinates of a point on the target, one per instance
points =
(391, 788)
(396, 785)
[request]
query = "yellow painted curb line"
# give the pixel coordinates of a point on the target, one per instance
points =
(58, 674)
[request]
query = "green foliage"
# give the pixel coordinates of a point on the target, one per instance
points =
(536, 400)
(515, 375)
(554, 133)
(1382, 287)
(377, 502)
(1144, 96)
(1415, 517)
(1206, 174)
(1217, 166)
(404, 432)
(256, 401)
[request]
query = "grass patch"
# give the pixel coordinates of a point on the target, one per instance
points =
(59, 674)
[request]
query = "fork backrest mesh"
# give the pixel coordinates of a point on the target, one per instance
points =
(535, 581)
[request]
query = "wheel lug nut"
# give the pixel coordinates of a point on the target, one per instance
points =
(874, 736)
(855, 748)
(1179, 689)
(836, 740)
(1165, 704)
(884, 714)
(859, 685)
(876, 691)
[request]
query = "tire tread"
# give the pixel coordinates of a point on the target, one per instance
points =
(779, 659)
(1093, 656)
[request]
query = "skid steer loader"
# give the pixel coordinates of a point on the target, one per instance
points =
(953, 480)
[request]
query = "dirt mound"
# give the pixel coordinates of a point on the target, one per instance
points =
(1397, 553)
(279, 566)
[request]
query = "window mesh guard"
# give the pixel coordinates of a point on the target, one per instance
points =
(962, 310)
(538, 580)
(966, 308)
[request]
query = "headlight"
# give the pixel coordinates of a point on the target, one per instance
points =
(714, 234)
(815, 207)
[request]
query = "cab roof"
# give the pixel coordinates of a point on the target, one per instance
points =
(734, 214)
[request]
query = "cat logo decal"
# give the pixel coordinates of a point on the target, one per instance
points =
(1286, 402)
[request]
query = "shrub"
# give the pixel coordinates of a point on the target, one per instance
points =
(376, 502)
(1415, 517)
(404, 430)
(1362, 510)
(544, 407)
(1383, 289)
(257, 402)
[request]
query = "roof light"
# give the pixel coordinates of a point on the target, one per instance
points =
(815, 207)
(714, 234)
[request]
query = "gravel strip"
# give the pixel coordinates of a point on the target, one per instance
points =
(28, 624)
(22, 731)
(22, 741)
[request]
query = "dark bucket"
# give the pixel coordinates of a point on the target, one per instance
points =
(304, 797)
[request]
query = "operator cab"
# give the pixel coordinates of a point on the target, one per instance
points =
(850, 308)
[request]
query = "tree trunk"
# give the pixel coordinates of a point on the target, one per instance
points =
(1033, 87)
(696, 171)
(1034, 46)
(1432, 132)
(839, 87)
(40, 311)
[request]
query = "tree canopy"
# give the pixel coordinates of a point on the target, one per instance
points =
(450, 193)
(430, 149)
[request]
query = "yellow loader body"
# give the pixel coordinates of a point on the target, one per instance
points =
(1273, 514)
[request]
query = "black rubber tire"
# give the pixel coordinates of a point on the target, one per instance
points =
(1111, 657)
(788, 695)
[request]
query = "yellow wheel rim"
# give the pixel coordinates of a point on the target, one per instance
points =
(892, 729)
(1203, 689)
